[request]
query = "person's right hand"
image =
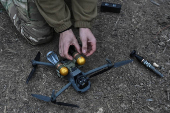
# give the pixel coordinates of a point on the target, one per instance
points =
(67, 38)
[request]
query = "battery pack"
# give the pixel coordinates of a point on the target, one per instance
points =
(110, 7)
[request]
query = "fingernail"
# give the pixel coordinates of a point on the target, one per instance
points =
(84, 51)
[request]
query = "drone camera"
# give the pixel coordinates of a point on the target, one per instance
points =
(81, 81)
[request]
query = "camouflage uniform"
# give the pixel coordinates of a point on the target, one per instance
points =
(28, 21)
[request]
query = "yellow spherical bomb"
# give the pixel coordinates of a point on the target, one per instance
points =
(81, 60)
(64, 71)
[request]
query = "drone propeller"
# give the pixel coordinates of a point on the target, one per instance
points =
(118, 64)
(37, 58)
(66, 104)
(41, 97)
(107, 67)
(48, 99)
(54, 96)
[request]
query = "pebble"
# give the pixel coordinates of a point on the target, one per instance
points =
(108, 88)
(155, 64)
(167, 63)
(101, 110)
(168, 89)
(150, 100)
(162, 44)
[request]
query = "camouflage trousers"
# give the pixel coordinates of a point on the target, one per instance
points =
(28, 21)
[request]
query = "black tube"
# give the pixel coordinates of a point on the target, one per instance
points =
(145, 62)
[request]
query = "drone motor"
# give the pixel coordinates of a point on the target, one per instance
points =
(81, 81)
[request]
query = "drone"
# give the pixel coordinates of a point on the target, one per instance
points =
(69, 69)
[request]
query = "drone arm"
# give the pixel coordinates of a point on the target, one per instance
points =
(107, 66)
(64, 88)
(34, 62)
(101, 68)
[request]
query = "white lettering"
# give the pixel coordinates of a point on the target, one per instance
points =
(147, 63)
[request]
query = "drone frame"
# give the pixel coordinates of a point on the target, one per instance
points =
(71, 77)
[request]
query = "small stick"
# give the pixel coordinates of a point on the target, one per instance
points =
(2, 28)
(168, 89)
(154, 2)
(168, 94)
(5, 109)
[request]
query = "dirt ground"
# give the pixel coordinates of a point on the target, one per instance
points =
(141, 25)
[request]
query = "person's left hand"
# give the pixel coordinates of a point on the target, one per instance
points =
(88, 41)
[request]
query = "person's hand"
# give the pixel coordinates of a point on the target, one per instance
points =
(88, 41)
(67, 38)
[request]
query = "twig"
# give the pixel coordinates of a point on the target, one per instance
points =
(164, 49)
(168, 95)
(154, 2)
(2, 28)
(162, 29)
(5, 109)
(116, 23)
(109, 107)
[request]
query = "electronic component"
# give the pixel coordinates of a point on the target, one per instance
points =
(110, 7)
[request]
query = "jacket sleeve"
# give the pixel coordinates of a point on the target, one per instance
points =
(56, 13)
(84, 11)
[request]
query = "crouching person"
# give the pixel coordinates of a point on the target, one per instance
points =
(28, 21)
(31, 17)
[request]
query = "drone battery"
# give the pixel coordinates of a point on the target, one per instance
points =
(110, 7)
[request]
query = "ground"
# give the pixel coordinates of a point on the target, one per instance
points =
(141, 25)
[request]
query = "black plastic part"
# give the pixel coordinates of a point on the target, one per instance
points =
(71, 50)
(110, 7)
(100, 72)
(66, 104)
(73, 69)
(133, 54)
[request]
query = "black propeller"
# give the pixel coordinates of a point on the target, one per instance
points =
(37, 58)
(118, 64)
(107, 67)
(41, 97)
(52, 99)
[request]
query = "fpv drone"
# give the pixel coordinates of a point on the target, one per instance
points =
(69, 70)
